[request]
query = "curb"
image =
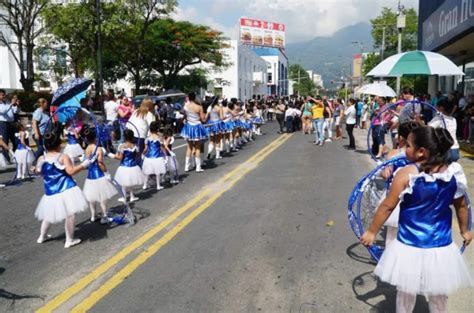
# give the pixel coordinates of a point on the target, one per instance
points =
(466, 147)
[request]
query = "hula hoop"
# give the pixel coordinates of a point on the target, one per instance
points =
(370, 188)
(392, 107)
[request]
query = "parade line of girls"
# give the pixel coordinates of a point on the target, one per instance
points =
(227, 127)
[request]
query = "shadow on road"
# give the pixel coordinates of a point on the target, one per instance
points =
(361, 256)
(368, 289)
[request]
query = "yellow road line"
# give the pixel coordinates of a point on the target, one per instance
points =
(125, 272)
(104, 267)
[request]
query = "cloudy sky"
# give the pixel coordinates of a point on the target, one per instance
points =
(304, 19)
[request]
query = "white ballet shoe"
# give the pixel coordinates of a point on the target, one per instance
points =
(159, 188)
(43, 239)
(122, 199)
(133, 199)
(72, 243)
(93, 219)
(145, 186)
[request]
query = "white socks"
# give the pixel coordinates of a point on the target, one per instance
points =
(186, 164)
(210, 148)
(198, 165)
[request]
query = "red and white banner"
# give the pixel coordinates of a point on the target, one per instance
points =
(262, 33)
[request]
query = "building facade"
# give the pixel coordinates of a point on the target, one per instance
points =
(277, 69)
(447, 27)
(245, 77)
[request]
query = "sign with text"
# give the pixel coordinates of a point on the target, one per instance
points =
(262, 33)
(452, 18)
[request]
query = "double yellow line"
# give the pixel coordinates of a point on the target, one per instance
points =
(224, 184)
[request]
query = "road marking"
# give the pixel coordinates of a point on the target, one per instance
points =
(104, 267)
(128, 269)
(180, 146)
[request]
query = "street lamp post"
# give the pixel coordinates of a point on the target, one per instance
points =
(401, 22)
(99, 72)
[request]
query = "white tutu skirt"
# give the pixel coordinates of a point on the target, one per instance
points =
(24, 156)
(3, 161)
(56, 208)
(129, 176)
(172, 164)
(98, 190)
(74, 150)
(155, 166)
(434, 271)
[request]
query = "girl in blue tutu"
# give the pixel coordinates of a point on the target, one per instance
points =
(228, 124)
(214, 119)
(128, 174)
(423, 259)
(24, 155)
(73, 147)
(154, 162)
(193, 131)
(62, 198)
(98, 187)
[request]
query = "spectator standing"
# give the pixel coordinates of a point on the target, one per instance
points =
(328, 119)
(124, 111)
(39, 123)
(140, 121)
(359, 108)
(350, 117)
(317, 111)
(280, 109)
(449, 122)
(7, 120)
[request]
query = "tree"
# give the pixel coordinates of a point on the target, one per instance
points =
(21, 20)
(388, 19)
(134, 49)
(176, 45)
(304, 85)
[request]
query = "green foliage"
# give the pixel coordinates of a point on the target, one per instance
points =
(28, 99)
(304, 84)
(388, 18)
(175, 45)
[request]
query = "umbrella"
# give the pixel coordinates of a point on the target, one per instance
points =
(377, 89)
(68, 109)
(69, 90)
(415, 63)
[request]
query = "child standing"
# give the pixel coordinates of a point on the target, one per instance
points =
(73, 149)
(424, 259)
(128, 174)
(23, 154)
(62, 198)
(97, 187)
(154, 162)
(171, 160)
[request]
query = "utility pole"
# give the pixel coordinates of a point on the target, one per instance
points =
(383, 43)
(401, 22)
(99, 74)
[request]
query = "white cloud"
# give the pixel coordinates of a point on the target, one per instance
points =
(304, 19)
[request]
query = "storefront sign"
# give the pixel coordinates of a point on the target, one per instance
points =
(452, 18)
(262, 33)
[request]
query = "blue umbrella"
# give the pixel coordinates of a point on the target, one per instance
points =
(68, 109)
(69, 90)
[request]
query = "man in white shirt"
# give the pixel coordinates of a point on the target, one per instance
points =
(110, 108)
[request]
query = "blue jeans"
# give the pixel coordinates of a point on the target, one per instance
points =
(318, 129)
(453, 155)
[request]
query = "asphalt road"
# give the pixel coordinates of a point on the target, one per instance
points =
(262, 231)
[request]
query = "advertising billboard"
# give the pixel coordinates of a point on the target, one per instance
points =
(262, 33)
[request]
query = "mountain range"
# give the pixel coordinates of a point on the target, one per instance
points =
(332, 56)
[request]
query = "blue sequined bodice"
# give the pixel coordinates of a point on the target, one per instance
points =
(154, 149)
(94, 171)
(21, 146)
(71, 139)
(129, 158)
(56, 180)
(425, 215)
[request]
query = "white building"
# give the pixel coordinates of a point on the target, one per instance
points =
(245, 77)
(277, 68)
(9, 70)
(316, 78)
